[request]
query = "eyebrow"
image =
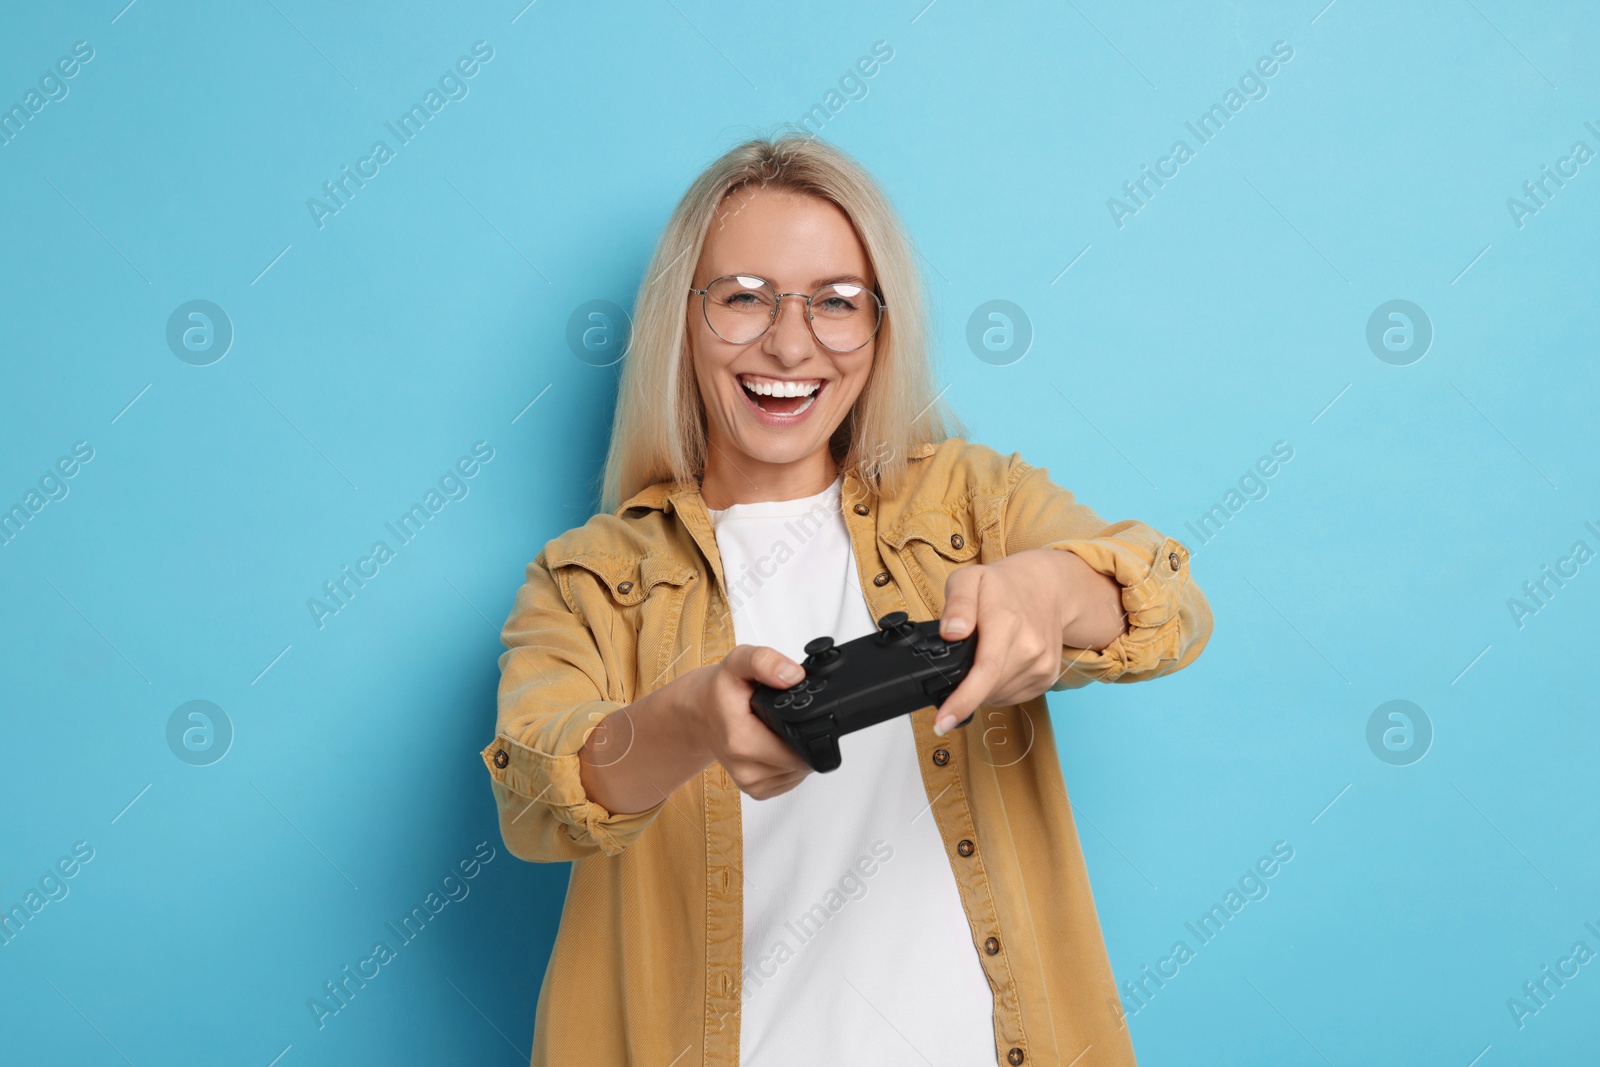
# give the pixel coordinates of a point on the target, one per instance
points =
(841, 278)
(818, 284)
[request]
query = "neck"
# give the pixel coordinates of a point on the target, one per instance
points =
(734, 478)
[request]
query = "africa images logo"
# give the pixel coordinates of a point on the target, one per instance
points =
(454, 484)
(337, 993)
(452, 87)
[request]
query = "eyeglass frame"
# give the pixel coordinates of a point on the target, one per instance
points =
(777, 305)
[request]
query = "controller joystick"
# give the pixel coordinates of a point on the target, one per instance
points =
(902, 668)
(819, 647)
(896, 628)
(821, 655)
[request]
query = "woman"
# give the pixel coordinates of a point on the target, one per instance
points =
(781, 468)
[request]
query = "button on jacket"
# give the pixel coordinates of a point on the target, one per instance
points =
(646, 964)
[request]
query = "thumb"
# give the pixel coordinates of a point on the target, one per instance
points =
(960, 602)
(768, 666)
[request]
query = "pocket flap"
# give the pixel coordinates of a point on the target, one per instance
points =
(952, 534)
(628, 579)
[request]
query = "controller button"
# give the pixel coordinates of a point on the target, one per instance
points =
(862, 509)
(1014, 1057)
(801, 700)
(957, 541)
(991, 945)
(941, 756)
(782, 699)
(814, 685)
(965, 847)
(881, 579)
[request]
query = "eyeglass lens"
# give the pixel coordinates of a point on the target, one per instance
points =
(740, 308)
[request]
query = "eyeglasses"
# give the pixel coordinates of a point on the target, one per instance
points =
(740, 308)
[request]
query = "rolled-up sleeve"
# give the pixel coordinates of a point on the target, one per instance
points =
(1169, 620)
(552, 695)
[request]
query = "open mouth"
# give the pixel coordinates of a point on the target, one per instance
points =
(781, 397)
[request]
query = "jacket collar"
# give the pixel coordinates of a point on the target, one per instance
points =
(663, 496)
(654, 496)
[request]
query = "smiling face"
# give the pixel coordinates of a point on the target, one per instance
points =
(770, 441)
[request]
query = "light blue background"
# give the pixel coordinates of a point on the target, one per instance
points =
(1228, 314)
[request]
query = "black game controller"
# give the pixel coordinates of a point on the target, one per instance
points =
(903, 667)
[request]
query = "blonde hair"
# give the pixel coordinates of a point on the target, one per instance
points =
(659, 429)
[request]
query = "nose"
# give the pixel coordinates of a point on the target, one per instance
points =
(790, 338)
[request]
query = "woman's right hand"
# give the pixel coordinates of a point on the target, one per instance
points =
(716, 698)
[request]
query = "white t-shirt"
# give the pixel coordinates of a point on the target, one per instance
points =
(855, 941)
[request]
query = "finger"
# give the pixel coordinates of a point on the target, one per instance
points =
(756, 774)
(782, 755)
(771, 753)
(751, 741)
(980, 681)
(961, 703)
(794, 777)
(766, 786)
(960, 602)
(787, 784)
(996, 632)
(758, 663)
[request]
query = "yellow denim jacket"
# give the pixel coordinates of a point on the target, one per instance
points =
(647, 962)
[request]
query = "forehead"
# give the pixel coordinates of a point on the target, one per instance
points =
(789, 238)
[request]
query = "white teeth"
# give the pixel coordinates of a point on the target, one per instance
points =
(809, 401)
(778, 388)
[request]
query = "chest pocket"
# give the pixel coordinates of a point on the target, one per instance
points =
(931, 544)
(634, 607)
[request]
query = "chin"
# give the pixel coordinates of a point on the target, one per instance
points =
(788, 450)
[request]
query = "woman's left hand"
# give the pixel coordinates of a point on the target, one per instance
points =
(1028, 608)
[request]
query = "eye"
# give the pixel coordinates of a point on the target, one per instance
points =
(744, 298)
(742, 292)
